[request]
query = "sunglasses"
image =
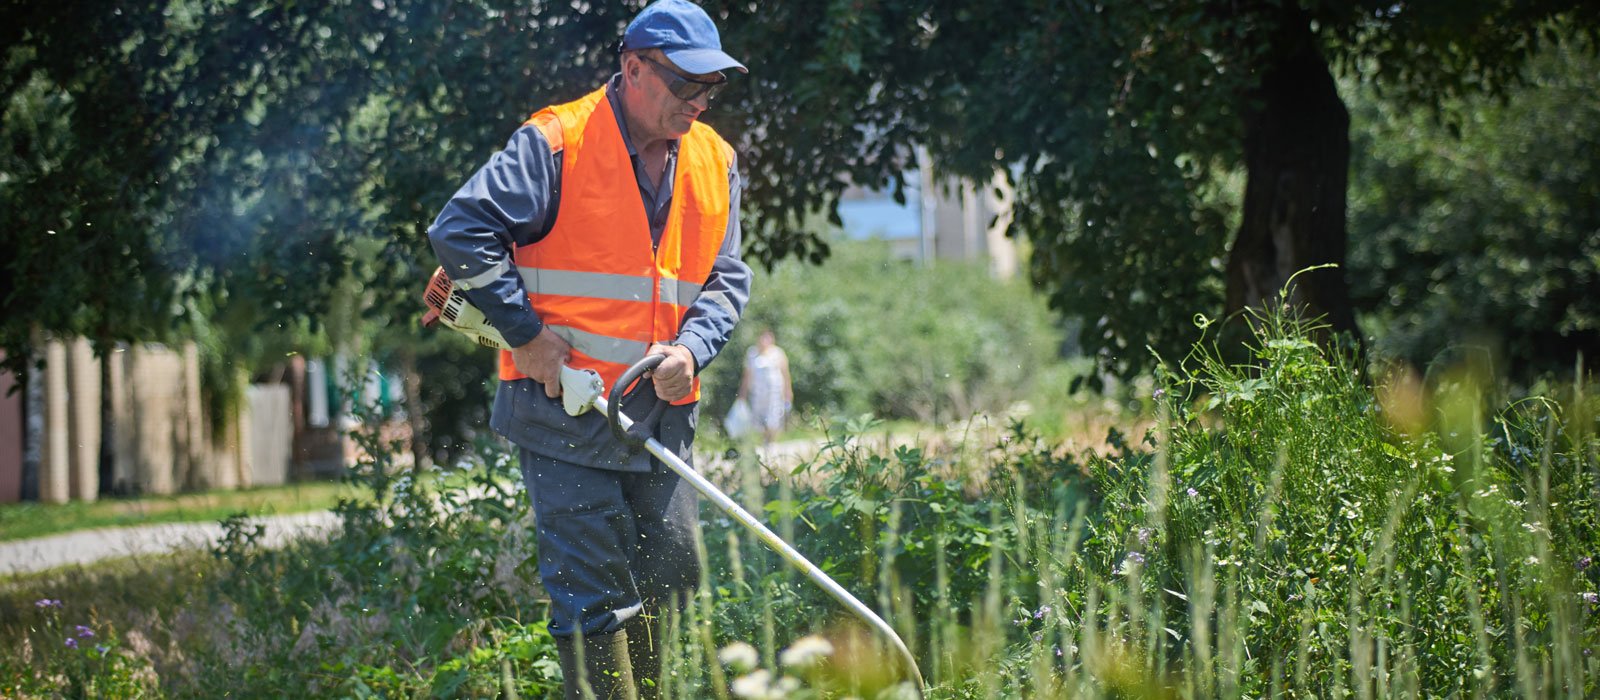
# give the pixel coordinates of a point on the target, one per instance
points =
(687, 89)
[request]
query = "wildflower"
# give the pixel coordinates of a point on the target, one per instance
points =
(46, 603)
(1159, 393)
(1144, 535)
(1584, 562)
(1129, 561)
(759, 686)
(1192, 493)
(102, 649)
(739, 656)
(1591, 598)
(71, 643)
(84, 631)
(1038, 636)
(1043, 610)
(753, 685)
(806, 652)
(1058, 652)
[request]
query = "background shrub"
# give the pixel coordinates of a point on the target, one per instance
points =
(870, 333)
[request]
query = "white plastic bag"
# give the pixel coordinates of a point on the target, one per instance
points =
(739, 423)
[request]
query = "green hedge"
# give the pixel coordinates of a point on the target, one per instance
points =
(866, 332)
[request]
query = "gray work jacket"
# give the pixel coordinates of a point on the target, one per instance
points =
(514, 199)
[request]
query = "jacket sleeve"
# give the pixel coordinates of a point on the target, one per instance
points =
(708, 323)
(505, 203)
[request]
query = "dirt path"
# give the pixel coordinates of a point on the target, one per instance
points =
(88, 546)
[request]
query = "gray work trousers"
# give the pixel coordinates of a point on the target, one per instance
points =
(610, 541)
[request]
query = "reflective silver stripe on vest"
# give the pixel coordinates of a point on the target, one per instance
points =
(595, 285)
(678, 292)
(602, 347)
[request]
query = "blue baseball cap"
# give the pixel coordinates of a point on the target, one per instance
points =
(684, 33)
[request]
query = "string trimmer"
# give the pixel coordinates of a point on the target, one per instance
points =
(583, 390)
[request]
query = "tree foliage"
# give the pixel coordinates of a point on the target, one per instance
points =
(1167, 157)
(1487, 224)
(1187, 155)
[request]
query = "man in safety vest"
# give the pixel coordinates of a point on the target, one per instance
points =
(608, 229)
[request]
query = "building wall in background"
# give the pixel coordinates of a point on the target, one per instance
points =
(267, 428)
(941, 219)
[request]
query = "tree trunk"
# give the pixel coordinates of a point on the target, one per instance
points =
(1297, 154)
(33, 423)
(107, 466)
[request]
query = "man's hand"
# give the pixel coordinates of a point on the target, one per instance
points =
(541, 359)
(674, 377)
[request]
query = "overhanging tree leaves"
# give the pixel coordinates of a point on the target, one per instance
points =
(266, 144)
(86, 148)
(1487, 230)
(1168, 157)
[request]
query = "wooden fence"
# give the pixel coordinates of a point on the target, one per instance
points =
(160, 442)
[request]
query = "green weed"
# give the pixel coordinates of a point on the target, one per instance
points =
(1286, 529)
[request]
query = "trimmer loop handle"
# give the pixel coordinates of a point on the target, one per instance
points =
(635, 435)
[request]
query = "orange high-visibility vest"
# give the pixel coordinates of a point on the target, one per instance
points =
(593, 279)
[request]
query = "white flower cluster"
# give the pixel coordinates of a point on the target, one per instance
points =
(805, 654)
(759, 685)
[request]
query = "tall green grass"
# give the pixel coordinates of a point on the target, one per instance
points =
(1281, 533)
(1288, 529)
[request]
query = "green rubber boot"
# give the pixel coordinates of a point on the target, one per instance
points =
(597, 668)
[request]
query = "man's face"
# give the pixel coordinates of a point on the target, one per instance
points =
(670, 99)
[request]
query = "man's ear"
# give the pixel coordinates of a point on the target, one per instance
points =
(632, 68)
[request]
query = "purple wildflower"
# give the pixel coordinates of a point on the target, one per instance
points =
(1128, 562)
(102, 649)
(71, 643)
(1192, 492)
(1159, 393)
(1591, 598)
(1058, 651)
(1038, 637)
(46, 603)
(1043, 610)
(1584, 562)
(1144, 535)
(84, 631)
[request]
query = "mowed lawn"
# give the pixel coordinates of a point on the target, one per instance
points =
(25, 520)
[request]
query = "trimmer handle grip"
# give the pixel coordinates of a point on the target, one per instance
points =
(639, 432)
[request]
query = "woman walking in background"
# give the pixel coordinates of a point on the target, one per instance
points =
(766, 387)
